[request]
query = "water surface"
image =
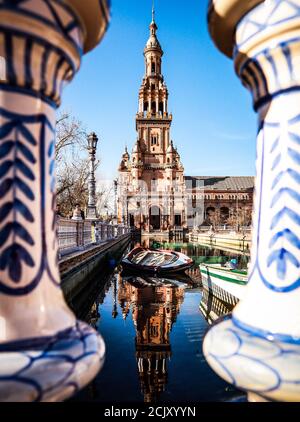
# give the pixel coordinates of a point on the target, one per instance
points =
(153, 330)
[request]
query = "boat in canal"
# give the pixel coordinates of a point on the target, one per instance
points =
(226, 283)
(156, 261)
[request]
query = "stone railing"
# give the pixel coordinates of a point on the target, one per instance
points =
(221, 229)
(227, 239)
(77, 235)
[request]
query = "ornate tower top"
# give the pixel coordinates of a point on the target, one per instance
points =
(126, 155)
(153, 43)
(153, 95)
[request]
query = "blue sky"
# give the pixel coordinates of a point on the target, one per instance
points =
(214, 125)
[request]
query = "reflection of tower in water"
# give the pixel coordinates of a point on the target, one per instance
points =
(154, 311)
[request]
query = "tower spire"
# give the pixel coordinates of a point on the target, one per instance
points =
(153, 11)
(153, 26)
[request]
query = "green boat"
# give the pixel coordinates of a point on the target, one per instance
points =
(227, 284)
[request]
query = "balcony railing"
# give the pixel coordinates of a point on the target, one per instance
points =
(154, 115)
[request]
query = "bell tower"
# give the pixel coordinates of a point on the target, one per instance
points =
(155, 161)
(153, 121)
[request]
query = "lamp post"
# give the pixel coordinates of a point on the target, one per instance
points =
(257, 348)
(106, 212)
(116, 199)
(45, 353)
(92, 147)
(127, 211)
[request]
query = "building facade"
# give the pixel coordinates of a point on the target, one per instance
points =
(151, 181)
(154, 194)
(216, 201)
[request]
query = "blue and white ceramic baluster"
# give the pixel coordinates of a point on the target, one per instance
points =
(45, 354)
(258, 348)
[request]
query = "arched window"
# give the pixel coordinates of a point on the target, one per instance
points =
(153, 67)
(224, 213)
(146, 106)
(153, 107)
(210, 211)
(154, 140)
(168, 160)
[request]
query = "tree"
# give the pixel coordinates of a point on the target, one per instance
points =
(105, 200)
(214, 218)
(71, 165)
(70, 136)
(240, 218)
(73, 168)
(72, 186)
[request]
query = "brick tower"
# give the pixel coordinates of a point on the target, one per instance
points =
(152, 185)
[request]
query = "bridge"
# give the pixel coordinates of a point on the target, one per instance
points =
(84, 248)
(46, 354)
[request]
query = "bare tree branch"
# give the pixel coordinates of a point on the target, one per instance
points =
(72, 164)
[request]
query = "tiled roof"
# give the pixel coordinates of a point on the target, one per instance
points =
(232, 183)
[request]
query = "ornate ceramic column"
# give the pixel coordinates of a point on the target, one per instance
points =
(92, 146)
(45, 354)
(258, 348)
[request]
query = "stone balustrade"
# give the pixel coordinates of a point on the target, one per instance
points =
(77, 235)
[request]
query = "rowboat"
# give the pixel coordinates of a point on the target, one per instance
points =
(227, 284)
(156, 261)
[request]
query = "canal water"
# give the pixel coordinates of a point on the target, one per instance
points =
(153, 331)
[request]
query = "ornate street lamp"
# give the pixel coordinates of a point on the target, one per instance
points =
(92, 147)
(116, 199)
